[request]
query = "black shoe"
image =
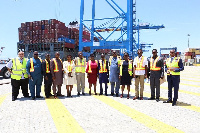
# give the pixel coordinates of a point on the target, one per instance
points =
(157, 99)
(174, 103)
(50, 94)
(39, 97)
(168, 101)
(32, 98)
(13, 98)
(117, 94)
(106, 94)
(100, 93)
(83, 93)
(47, 96)
(151, 98)
(78, 93)
(112, 94)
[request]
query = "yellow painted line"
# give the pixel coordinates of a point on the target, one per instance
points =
(190, 85)
(190, 80)
(62, 118)
(142, 118)
(3, 97)
(183, 91)
(180, 104)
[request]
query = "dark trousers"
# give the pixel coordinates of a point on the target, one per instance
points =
(173, 81)
(155, 83)
(16, 86)
(47, 89)
(55, 92)
(101, 89)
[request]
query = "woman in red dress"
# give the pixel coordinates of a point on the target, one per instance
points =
(92, 73)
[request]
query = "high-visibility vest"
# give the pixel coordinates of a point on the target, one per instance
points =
(173, 65)
(130, 67)
(18, 69)
(56, 65)
(32, 65)
(140, 64)
(69, 68)
(47, 66)
(89, 65)
(80, 67)
(102, 67)
(153, 64)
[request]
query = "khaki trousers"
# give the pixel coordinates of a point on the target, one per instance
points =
(80, 77)
(139, 79)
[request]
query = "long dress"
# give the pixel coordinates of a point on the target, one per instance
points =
(126, 78)
(92, 79)
(69, 80)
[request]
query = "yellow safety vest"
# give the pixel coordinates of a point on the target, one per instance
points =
(56, 65)
(32, 65)
(153, 65)
(47, 66)
(102, 67)
(140, 64)
(130, 67)
(80, 67)
(69, 68)
(18, 69)
(89, 65)
(173, 65)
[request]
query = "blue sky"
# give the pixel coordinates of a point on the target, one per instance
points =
(180, 17)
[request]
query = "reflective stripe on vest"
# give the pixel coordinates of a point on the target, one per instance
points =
(18, 69)
(130, 68)
(90, 70)
(173, 65)
(102, 67)
(31, 64)
(153, 64)
(140, 64)
(56, 64)
(47, 66)
(80, 67)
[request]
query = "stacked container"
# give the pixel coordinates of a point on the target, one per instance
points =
(45, 31)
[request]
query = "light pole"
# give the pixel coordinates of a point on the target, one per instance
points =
(188, 40)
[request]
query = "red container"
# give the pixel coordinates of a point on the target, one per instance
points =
(188, 53)
(23, 25)
(46, 22)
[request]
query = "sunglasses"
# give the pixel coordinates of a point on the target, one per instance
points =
(35, 54)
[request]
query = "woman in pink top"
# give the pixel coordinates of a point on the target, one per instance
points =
(92, 73)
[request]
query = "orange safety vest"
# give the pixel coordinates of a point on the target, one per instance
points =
(47, 66)
(153, 65)
(102, 67)
(140, 64)
(56, 65)
(90, 70)
(32, 65)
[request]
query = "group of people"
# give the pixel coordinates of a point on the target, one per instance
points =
(115, 70)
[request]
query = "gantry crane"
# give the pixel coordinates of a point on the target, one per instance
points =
(126, 42)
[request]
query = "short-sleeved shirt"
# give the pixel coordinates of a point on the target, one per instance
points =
(10, 65)
(145, 62)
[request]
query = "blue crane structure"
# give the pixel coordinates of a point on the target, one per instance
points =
(128, 27)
